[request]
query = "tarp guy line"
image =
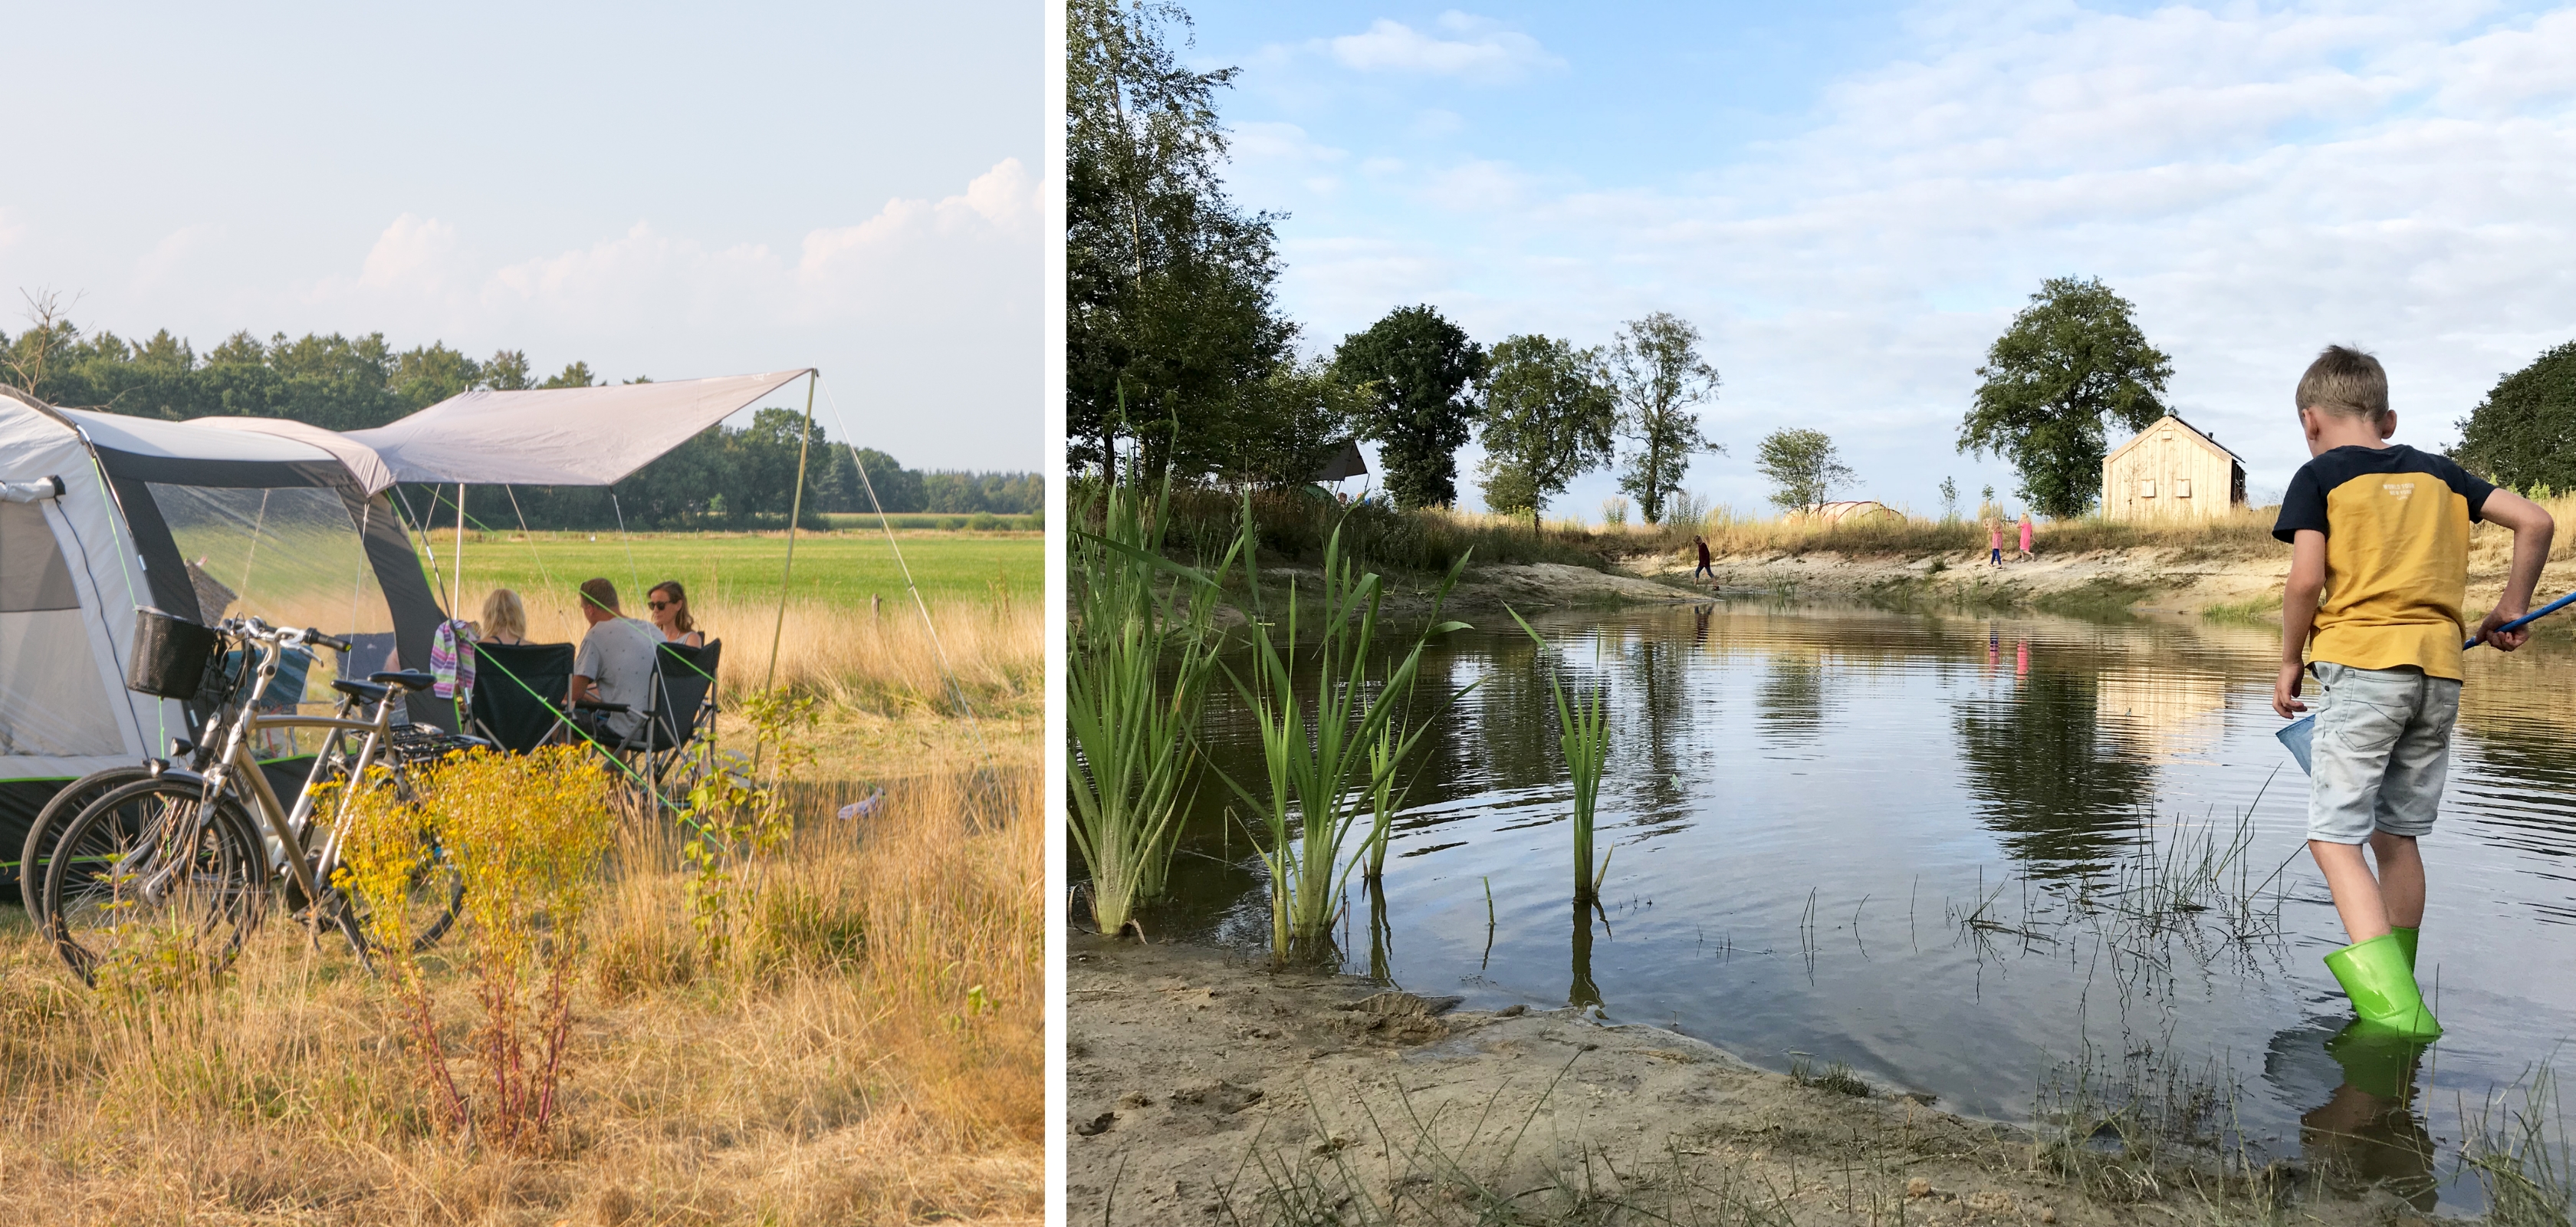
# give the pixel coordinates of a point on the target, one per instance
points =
(795, 510)
(481, 527)
(632, 576)
(937, 649)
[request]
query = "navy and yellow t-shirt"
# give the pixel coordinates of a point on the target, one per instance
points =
(2396, 522)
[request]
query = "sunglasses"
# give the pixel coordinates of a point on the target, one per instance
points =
(662, 604)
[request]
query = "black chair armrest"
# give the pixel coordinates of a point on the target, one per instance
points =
(596, 705)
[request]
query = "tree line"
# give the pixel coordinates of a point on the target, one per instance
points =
(1179, 358)
(724, 477)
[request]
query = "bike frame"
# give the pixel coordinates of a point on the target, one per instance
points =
(236, 769)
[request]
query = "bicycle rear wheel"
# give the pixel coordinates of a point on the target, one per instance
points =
(48, 827)
(152, 883)
(437, 895)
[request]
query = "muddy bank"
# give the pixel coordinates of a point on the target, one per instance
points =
(1206, 1089)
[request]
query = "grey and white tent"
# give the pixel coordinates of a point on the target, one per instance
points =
(102, 514)
(105, 514)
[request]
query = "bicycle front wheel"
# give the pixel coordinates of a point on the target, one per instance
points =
(153, 884)
(48, 827)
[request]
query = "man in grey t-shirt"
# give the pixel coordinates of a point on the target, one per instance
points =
(615, 663)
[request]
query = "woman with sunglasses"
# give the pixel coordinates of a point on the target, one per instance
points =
(668, 602)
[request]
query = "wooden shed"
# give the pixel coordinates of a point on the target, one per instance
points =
(2171, 470)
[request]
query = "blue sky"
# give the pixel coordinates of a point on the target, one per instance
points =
(1851, 200)
(656, 189)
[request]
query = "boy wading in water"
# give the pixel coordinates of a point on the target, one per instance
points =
(2379, 539)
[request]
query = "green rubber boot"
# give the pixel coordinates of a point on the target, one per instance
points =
(2382, 988)
(2406, 942)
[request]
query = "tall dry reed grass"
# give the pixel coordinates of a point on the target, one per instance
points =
(881, 658)
(880, 1062)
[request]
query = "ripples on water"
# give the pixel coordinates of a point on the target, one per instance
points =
(1896, 840)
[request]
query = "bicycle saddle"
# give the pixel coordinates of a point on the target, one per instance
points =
(359, 690)
(408, 679)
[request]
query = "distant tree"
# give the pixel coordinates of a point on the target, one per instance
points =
(575, 375)
(428, 374)
(1803, 468)
(1415, 373)
(507, 371)
(2071, 359)
(1549, 414)
(1169, 312)
(2524, 433)
(1949, 499)
(1657, 368)
(1288, 424)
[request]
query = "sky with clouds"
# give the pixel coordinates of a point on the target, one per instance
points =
(654, 189)
(1851, 200)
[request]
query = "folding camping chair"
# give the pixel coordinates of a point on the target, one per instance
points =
(518, 692)
(682, 704)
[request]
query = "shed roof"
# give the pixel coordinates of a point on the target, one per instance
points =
(2197, 433)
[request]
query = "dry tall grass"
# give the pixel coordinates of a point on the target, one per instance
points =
(880, 1063)
(879, 659)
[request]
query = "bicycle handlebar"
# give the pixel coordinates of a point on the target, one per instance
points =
(254, 629)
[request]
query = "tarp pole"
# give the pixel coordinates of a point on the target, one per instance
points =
(456, 604)
(795, 512)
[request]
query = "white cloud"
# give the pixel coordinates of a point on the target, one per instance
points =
(933, 306)
(167, 255)
(1479, 51)
(412, 253)
(2258, 182)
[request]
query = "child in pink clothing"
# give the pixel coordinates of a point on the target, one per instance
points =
(1994, 543)
(2025, 535)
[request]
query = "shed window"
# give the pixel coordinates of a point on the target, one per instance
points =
(2182, 487)
(2147, 489)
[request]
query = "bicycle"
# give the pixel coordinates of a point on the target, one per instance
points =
(173, 871)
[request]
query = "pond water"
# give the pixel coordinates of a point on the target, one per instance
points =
(1924, 846)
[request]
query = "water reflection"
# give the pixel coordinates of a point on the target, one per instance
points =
(1790, 702)
(2367, 1129)
(1852, 782)
(1583, 991)
(2046, 772)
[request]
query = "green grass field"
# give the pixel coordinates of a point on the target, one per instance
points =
(846, 566)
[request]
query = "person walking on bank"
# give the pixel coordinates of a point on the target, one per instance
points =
(2379, 547)
(1704, 569)
(2026, 555)
(1994, 543)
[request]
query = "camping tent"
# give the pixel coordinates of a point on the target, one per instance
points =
(106, 514)
(102, 514)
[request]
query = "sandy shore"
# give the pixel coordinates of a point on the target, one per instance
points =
(1207, 1089)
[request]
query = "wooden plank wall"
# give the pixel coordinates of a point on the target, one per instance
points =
(2172, 473)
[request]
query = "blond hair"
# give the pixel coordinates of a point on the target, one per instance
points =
(2346, 382)
(504, 614)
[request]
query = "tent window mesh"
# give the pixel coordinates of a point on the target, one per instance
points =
(288, 556)
(53, 701)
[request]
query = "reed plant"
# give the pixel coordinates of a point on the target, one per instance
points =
(1141, 657)
(1333, 735)
(1583, 733)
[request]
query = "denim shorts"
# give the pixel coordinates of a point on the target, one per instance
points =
(2382, 751)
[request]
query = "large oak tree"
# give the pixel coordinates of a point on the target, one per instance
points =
(1416, 375)
(2072, 361)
